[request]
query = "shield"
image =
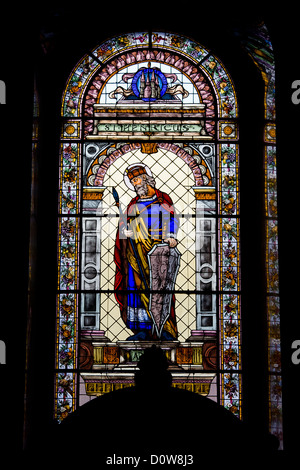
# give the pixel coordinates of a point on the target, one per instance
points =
(164, 264)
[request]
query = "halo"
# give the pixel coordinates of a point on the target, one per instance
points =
(127, 180)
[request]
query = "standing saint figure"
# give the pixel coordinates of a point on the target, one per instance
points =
(142, 280)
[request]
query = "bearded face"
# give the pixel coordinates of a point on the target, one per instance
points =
(142, 188)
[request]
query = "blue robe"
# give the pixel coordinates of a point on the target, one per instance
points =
(152, 220)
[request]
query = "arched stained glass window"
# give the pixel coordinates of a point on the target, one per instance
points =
(164, 102)
(155, 105)
(260, 49)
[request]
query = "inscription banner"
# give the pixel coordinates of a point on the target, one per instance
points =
(149, 127)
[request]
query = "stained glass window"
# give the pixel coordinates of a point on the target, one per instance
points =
(163, 107)
(260, 49)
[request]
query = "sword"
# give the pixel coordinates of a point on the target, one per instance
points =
(122, 215)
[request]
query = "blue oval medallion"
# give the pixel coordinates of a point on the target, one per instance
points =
(149, 84)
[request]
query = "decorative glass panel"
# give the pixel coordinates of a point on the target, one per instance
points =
(165, 107)
(260, 49)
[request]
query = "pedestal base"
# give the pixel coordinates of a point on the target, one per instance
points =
(114, 364)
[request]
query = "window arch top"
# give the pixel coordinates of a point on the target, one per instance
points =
(212, 84)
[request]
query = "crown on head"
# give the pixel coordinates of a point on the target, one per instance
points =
(135, 171)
